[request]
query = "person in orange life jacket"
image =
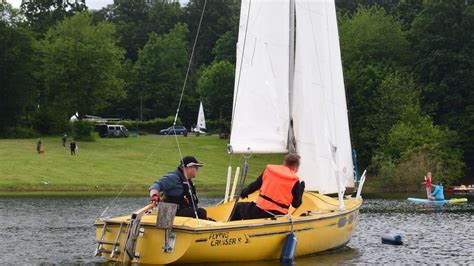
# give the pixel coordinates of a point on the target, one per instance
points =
(175, 187)
(279, 188)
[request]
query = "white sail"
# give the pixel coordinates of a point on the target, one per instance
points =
(319, 108)
(201, 120)
(261, 95)
(261, 108)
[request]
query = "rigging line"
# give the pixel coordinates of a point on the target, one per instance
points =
(187, 179)
(190, 62)
(177, 111)
(130, 179)
(236, 93)
(181, 99)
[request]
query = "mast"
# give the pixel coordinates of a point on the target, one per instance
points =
(291, 76)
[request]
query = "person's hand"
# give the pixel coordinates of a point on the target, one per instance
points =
(154, 199)
(243, 195)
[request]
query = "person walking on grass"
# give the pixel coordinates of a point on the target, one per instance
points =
(39, 146)
(73, 147)
(64, 138)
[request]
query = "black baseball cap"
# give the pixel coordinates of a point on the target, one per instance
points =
(188, 161)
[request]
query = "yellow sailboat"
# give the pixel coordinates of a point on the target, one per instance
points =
(318, 223)
(288, 96)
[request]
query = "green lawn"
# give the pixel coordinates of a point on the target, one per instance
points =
(107, 165)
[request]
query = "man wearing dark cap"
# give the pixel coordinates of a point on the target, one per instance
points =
(177, 187)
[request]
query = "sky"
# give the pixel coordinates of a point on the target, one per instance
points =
(91, 4)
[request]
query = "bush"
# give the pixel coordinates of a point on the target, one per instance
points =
(18, 133)
(46, 122)
(415, 146)
(150, 126)
(82, 130)
(217, 127)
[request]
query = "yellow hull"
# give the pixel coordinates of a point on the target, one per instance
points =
(318, 223)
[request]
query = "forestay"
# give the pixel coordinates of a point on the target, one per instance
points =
(261, 110)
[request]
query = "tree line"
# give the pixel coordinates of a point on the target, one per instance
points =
(408, 70)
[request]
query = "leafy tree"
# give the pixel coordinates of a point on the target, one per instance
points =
(17, 85)
(159, 73)
(9, 15)
(396, 92)
(106, 13)
(163, 16)
(443, 38)
(136, 19)
(130, 18)
(225, 47)
(219, 18)
(414, 146)
(216, 85)
(406, 11)
(43, 14)
(373, 36)
(121, 107)
(373, 47)
(80, 64)
(351, 6)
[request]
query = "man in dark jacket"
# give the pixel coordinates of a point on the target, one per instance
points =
(177, 187)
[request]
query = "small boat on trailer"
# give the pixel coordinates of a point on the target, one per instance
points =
(318, 223)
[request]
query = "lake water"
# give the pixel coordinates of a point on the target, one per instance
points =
(59, 230)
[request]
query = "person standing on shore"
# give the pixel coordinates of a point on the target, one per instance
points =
(428, 184)
(64, 138)
(73, 147)
(39, 146)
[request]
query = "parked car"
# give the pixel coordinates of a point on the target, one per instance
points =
(112, 131)
(178, 130)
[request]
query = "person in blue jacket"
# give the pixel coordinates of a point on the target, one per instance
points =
(178, 188)
(438, 193)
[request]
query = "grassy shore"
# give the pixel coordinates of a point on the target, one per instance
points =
(107, 165)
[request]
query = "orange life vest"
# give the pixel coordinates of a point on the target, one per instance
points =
(275, 193)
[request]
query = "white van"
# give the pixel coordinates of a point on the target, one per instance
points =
(112, 131)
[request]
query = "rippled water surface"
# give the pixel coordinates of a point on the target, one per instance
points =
(60, 230)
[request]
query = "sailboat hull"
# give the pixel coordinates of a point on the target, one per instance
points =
(318, 224)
